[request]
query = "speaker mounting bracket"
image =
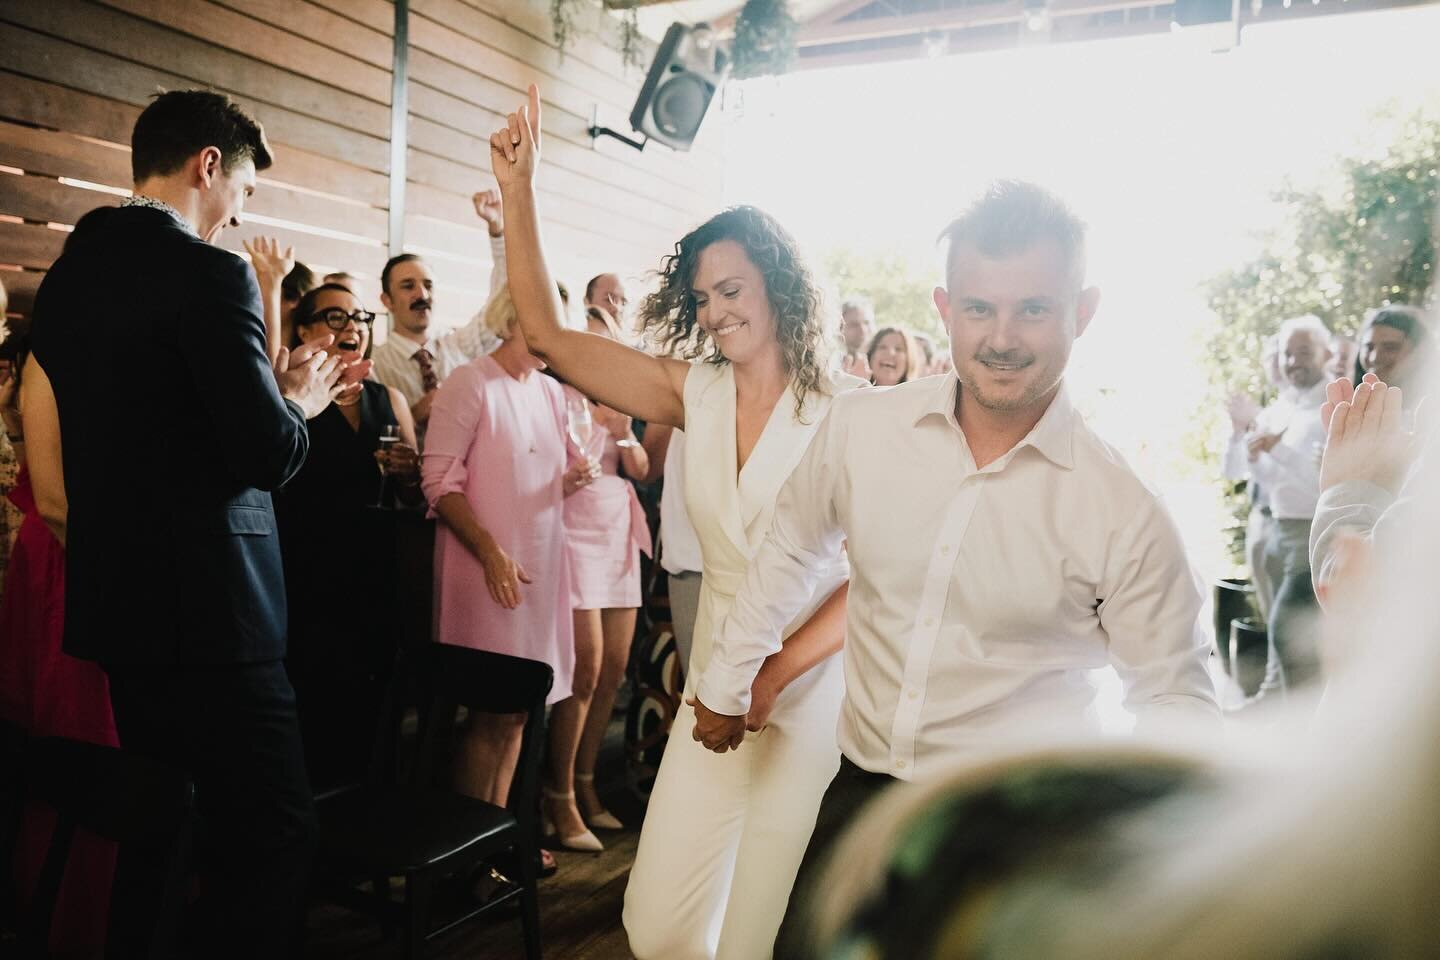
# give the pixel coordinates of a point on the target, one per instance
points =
(596, 131)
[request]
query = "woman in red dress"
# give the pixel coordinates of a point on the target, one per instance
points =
(49, 693)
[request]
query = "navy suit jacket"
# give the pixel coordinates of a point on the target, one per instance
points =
(173, 431)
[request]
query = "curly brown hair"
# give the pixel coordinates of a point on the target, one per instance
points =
(668, 314)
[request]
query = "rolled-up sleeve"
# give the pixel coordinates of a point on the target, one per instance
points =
(804, 542)
(1150, 611)
(1355, 507)
(454, 416)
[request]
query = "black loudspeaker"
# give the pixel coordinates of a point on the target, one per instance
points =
(689, 67)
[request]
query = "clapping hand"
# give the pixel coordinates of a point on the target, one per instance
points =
(488, 208)
(1243, 411)
(1366, 438)
(270, 262)
(856, 365)
(615, 423)
(515, 148)
(311, 378)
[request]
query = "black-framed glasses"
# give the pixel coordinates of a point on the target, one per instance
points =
(337, 319)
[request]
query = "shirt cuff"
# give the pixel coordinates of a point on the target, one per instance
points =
(1356, 493)
(725, 690)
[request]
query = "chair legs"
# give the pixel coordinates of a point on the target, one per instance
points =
(418, 888)
(530, 901)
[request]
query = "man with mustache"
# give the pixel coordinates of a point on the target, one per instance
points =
(999, 550)
(411, 359)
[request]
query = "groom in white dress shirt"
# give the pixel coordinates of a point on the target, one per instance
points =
(999, 550)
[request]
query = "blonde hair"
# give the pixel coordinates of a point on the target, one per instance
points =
(500, 315)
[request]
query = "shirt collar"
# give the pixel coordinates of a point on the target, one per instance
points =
(1052, 436)
(407, 347)
(138, 200)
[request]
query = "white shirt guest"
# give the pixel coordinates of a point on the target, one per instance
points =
(411, 359)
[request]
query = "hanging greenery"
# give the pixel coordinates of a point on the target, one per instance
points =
(562, 21)
(632, 41)
(764, 39)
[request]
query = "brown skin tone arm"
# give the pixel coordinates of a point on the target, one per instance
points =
(656, 444)
(42, 447)
(648, 388)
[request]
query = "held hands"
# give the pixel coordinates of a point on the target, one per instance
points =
(856, 365)
(487, 208)
(271, 264)
(503, 575)
(515, 148)
(1366, 439)
(717, 731)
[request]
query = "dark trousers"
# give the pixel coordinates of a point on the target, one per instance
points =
(844, 801)
(1294, 614)
(232, 728)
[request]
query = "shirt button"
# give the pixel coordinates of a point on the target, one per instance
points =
(913, 694)
(944, 550)
(899, 764)
(929, 621)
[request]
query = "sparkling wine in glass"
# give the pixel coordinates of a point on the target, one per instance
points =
(581, 424)
(389, 436)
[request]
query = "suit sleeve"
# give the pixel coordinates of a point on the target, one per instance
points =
(266, 438)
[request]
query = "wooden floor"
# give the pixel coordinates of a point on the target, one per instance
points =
(579, 905)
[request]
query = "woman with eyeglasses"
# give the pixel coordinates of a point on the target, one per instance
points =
(339, 549)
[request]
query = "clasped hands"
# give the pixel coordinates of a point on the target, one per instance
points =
(720, 732)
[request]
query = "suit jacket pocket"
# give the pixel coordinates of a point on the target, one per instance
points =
(249, 521)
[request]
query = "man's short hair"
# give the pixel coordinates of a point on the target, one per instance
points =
(1010, 217)
(391, 264)
(178, 125)
(863, 306)
(590, 287)
(1408, 320)
(1310, 324)
(298, 282)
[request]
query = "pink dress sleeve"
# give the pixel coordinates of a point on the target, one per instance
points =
(451, 432)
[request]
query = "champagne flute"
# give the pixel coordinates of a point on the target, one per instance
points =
(389, 436)
(580, 424)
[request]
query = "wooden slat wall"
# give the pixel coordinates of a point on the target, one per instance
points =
(317, 73)
(606, 206)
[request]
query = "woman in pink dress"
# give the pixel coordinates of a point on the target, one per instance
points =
(494, 472)
(605, 532)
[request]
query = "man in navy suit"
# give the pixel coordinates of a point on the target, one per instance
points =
(154, 392)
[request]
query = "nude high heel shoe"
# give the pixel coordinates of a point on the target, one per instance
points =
(603, 819)
(585, 842)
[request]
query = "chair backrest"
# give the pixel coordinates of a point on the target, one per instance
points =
(135, 801)
(451, 676)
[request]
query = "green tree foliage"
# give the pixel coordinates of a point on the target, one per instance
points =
(1365, 239)
(899, 288)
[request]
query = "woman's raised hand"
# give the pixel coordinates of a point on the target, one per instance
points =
(515, 147)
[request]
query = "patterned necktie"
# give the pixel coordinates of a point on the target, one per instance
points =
(428, 380)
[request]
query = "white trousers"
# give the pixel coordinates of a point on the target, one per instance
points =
(725, 833)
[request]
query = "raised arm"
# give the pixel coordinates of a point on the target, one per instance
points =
(271, 265)
(650, 388)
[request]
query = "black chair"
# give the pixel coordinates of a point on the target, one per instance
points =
(142, 805)
(404, 825)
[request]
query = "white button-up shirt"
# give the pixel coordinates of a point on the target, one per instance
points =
(395, 364)
(979, 598)
(1288, 472)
